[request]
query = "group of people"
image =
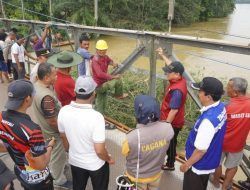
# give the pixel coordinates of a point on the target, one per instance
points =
(69, 121)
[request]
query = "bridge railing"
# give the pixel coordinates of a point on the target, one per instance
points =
(148, 42)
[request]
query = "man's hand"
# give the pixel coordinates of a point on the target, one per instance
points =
(160, 51)
(184, 167)
(111, 160)
(52, 142)
(47, 26)
(115, 65)
(116, 76)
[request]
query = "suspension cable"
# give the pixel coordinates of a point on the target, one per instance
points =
(41, 14)
(211, 59)
(185, 52)
(226, 34)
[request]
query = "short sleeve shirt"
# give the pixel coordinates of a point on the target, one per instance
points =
(20, 134)
(19, 50)
(82, 135)
(176, 99)
(65, 88)
(38, 45)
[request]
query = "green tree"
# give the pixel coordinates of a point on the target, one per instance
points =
(131, 14)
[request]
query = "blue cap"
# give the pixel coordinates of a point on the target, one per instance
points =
(17, 91)
(147, 109)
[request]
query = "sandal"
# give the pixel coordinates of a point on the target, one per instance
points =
(167, 168)
(110, 126)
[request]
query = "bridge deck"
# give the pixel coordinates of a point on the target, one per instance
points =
(169, 180)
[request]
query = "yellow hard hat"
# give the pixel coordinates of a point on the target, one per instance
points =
(101, 45)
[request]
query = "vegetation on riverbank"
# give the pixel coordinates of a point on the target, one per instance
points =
(131, 14)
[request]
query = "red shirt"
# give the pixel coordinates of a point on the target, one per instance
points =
(65, 88)
(238, 124)
(181, 85)
(100, 69)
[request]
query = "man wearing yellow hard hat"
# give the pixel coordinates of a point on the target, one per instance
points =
(100, 64)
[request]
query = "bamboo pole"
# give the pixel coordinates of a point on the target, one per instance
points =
(3, 12)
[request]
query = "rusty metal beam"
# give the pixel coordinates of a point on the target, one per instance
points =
(129, 60)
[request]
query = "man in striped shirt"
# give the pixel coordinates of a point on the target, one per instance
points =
(23, 138)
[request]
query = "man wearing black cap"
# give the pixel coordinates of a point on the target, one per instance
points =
(23, 139)
(173, 104)
(205, 140)
(42, 57)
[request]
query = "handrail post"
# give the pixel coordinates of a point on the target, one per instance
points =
(3, 12)
(152, 61)
(22, 8)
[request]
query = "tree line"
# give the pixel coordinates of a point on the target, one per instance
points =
(130, 14)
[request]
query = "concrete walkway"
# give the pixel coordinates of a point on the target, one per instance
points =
(169, 180)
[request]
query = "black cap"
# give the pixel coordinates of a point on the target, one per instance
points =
(175, 67)
(17, 91)
(43, 52)
(209, 85)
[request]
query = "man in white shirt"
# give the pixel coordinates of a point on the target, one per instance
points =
(204, 143)
(83, 129)
(17, 55)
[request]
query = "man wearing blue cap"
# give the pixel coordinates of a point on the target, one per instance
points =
(145, 147)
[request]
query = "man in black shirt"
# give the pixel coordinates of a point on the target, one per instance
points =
(23, 139)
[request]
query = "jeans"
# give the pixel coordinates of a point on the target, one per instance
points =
(18, 74)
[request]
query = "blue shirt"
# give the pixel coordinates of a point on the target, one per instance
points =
(82, 68)
(176, 99)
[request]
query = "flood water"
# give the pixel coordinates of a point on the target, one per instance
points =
(238, 23)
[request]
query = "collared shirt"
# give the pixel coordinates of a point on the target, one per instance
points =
(83, 127)
(64, 87)
(205, 136)
(100, 69)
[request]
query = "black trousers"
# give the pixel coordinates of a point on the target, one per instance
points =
(171, 152)
(99, 178)
(193, 181)
(9, 65)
